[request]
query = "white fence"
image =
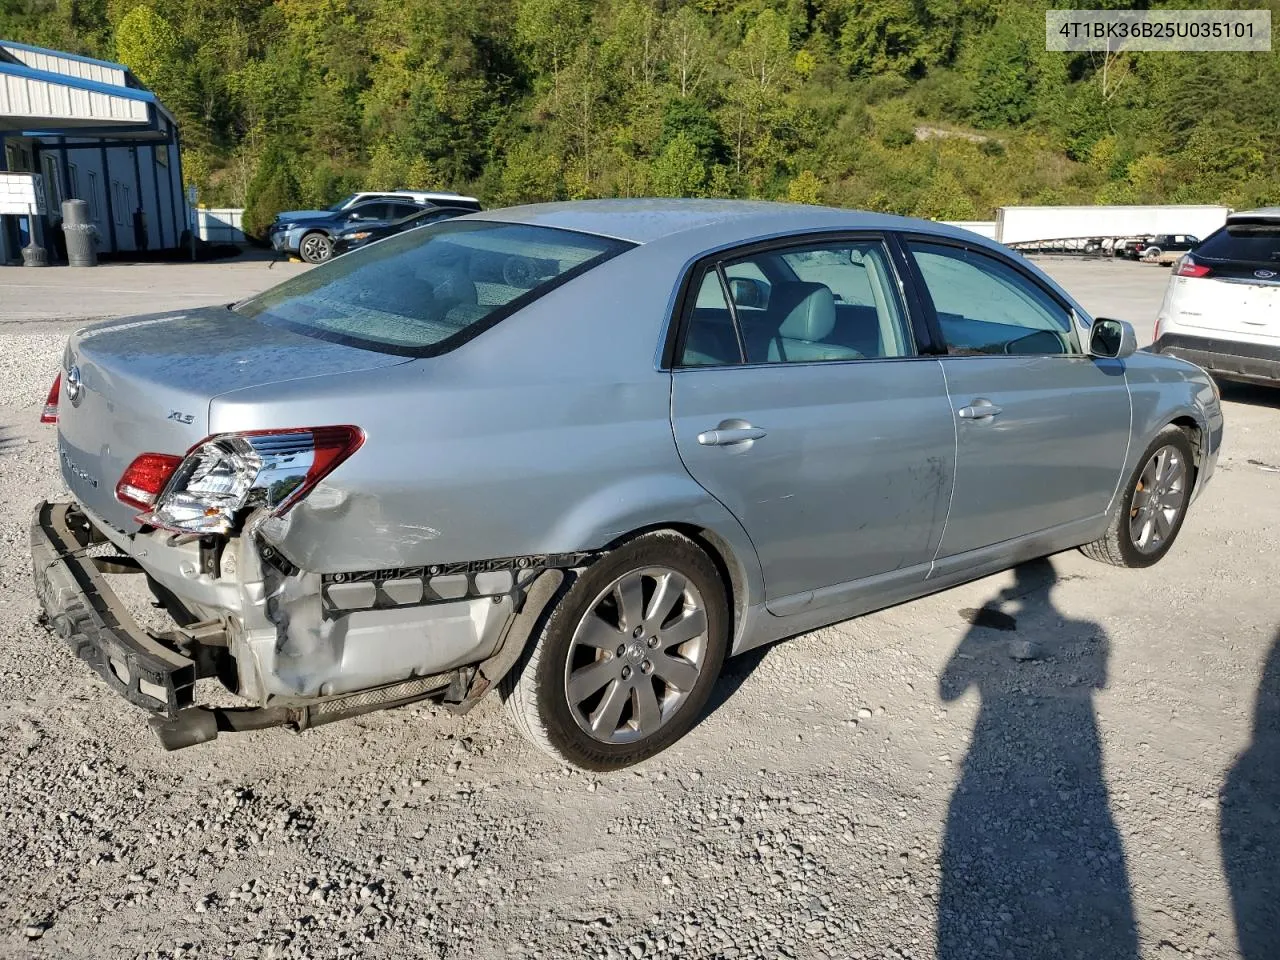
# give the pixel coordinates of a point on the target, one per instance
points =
(220, 224)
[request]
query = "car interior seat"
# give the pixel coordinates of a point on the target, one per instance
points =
(800, 317)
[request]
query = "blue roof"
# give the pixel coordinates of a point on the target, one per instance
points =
(62, 53)
(93, 86)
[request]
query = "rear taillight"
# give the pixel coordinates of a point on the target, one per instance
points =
(227, 473)
(50, 412)
(145, 478)
(1187, 267)
(1155, 336)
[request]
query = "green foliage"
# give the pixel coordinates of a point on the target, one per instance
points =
(1003, 81)
(286, 103)
(679, 171)
(272, 189)
(806, 188)
(693, 121)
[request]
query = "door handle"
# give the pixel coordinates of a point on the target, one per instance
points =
(980, 409)
(725, 436)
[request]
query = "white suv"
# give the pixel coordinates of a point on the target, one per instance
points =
(1222, 308)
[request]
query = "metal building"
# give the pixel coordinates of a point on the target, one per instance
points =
(73, 127)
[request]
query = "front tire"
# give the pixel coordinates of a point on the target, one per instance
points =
(1149, 516)
(315, 248)
(626, 660)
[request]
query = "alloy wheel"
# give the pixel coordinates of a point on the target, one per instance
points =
(316, 249)
(636, 655)
(1158, 498)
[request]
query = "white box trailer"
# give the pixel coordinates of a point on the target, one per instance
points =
(984, 228)
(1025, 224)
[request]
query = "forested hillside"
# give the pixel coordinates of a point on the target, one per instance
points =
(943, 108)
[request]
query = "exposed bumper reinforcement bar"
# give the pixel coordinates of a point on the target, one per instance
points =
(202, 724)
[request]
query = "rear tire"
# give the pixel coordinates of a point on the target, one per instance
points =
(1149, 516)
(626, 659)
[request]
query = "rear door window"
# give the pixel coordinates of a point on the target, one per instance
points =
(828, 301)
(423, 292)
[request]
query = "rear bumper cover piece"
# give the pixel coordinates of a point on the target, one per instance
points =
(159, 672)
(85, 612)
(1227, 358)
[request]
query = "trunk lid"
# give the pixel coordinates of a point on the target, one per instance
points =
(144, 385)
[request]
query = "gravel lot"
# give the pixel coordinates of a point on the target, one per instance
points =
(899, 786)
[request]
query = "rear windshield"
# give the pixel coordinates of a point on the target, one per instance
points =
(1259, 243)
(426, 291)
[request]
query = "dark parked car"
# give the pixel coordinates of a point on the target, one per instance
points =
(361, 234)
(422, 198)
(312, 237)
(1151, 248)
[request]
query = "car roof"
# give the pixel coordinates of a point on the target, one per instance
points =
(1254, 216)
(685, 229)
(417, 195)
(645, 220)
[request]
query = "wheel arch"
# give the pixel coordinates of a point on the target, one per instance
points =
(1195, 436)
(314, 231)
(735, 575)
(668, 500)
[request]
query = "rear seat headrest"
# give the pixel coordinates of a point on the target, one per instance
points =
(808, 310)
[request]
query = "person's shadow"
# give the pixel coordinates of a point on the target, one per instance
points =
(1032, 864)
(1250, 824)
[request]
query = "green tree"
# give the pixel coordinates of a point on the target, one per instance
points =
(679, 170)
(550, 30)
(273, 188)
(692, 120)
(148, 45)
(1003, 79)
(894, 36)
(530, 175)
(805, 188)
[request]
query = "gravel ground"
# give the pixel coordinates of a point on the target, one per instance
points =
(1038, 764)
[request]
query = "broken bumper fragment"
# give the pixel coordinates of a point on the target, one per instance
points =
(304, 649)
(85, 612)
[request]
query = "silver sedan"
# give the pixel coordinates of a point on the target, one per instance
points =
(583, 452)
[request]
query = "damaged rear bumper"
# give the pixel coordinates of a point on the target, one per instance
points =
(84, 611)
(158, 671)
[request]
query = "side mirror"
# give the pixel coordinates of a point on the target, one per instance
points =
(1112, 339)
(748, 293)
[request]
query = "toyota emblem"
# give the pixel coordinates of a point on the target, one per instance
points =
(75, 387)
(1264, 274)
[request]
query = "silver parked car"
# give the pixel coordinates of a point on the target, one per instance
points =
(582, 452)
